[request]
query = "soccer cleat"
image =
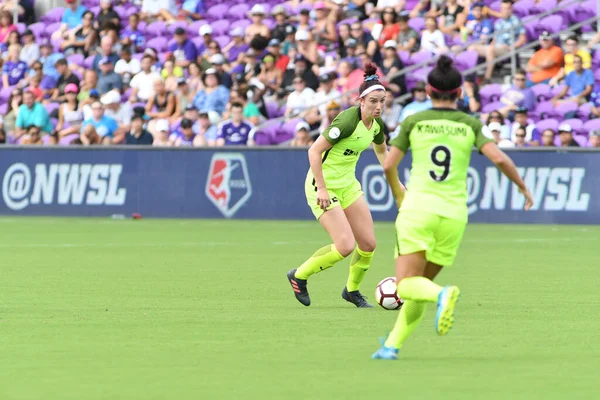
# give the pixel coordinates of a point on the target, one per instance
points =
(385, 353)
(355, 298)
(445, 312)
(299, 287)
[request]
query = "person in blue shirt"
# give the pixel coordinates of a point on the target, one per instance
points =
(481, 28)
(183, 49)
(13, 70)
(49, 60)
(235, 131)
(132, 36)
(578, 84)
(106, 51)
(71, 18)
(420, 102)
(32, 113)
(105, 126)
(213, 97)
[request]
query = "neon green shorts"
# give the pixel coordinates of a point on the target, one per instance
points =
(339, 197)
(438, 236)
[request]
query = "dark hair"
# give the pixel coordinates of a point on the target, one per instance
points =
(577, 56)
(136, 15)
(371, 78)
(574, 38)
(444, 80)
(394, 13)
(237, 105)
(62, 61)
(521, 71)
(148, 57)
(508, 2)
(86, 13)
(10, 100)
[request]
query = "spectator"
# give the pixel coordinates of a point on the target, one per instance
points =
(212, 49)
(152, 9)
(302, 136)
(408, 38)
(108, 79)
(452, 18)
(257, 27)
(508, 30)
(127, 66)
(289, 41)
(162, 136)
(495, 129)
(299, 101)
(343, 36)
(548, 137)
(251, 110)
(469, 101)
(14, 103)
(36, 70)
(132, 36)
(351, 50)
(572, 49)
(30, 52)
(70, 118)
(138, 135)
(140, 84)
(432, 39)
(565, 135)
(171, 74)
(6, 26)
(281, 22)
(301, 68)
(184, 136)
(24, 9)
(420, 102)
(270, 77)
(65, 78)
(397, 5)
(194, 78)
(35, 87)
(191, 10)
(390, 66)
(190, 112)
(32, 137)
(81, 40)
(480, 29)
(103, 125)
(357, 33)
(235, 131)
(281, 60)
(106, 15)
(31, 113)
(90, 80)
(332, 111)
(86, 105)
(121, 113)
(387, 28)
(218, 61)
(391, 112)
(324, 30)
(307, 47)
(13, 70)
(429, 8)
(207, 133)
(49, 60)
(71, 18)
(326, 93)
(182, 99)
(578, 84)
(237, 46)
(546, 62)
(518, 95)
(213, 97)
(106, 51)
(594, 138)
(521, 120)
(162, 105)
(89, 137)
(519, 137)
(206, 33)
(183, 49)
(304, 22)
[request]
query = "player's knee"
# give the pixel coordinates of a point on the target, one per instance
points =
(345, 246)
(367, 245)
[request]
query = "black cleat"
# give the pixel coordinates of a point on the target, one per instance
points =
(299, 287)
(355, 298)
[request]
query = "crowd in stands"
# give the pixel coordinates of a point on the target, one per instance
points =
(225, 72)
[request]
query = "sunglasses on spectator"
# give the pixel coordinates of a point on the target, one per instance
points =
(519, 79)
(520, 135)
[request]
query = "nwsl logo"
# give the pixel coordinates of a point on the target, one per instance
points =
(228, 185)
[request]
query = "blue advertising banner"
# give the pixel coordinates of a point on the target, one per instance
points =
(269, 183)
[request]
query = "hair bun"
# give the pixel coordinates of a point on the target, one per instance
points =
(444, 63)
(370, 69)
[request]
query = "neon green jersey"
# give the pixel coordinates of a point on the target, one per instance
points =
(442, 142)
(349, 137)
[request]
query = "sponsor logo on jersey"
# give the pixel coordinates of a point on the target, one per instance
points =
(228, 185)
(63, 184)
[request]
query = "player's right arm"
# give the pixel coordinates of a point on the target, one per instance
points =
(508, 168)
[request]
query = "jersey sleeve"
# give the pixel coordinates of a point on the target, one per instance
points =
(482, 134)
(380, 137)
(342, 126)
(402, 141)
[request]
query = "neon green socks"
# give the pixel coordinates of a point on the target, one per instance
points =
(323, 258)
(361, 260)
(419, 288)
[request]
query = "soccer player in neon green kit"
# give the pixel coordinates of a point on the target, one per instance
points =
(335, 195)
(433, 214)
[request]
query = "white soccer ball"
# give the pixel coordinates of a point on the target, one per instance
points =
(386, 295)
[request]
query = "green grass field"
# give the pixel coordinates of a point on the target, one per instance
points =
(167, 309)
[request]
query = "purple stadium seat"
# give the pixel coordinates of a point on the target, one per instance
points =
(3, 109)
(177, 24)
(220, 27)
(592, 124)
(21, 27)
(38, 29)
(581, 140)
(576, 124)
(404, 57)
(565, 107)
(56, 43)
(542, 6)
(238, 11)
(551, 23)
(286, 131)
(270, 23)
(556, 90)
(5, 94)
(76, 59)
(121, 12)
(50, 107)
(530, 27)
(217, 12)
(130, 11)
(597, 76)
(490, 93)
(466, 60)
(243, 23)
(50, 29)
(198, 40)
(421, 56)
(95, 10)
(544, 110)
(583, 11)
(494, 5)
(272, 109)
(88, 62)
(223, 40)
(542, 91)
(584, 111)
(158, 43)
(549, 123)
(194, 27)
(155, 29)
(142, 26)
(52, 16)
(262, 139)
(46, 140)
(417, 23)
(488, 108)
(348, 21)
(522, 8)
(65, 141)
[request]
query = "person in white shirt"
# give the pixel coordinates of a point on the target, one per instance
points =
(127, 66)
(495, 128)
(153, 8)
(30, 52)
(300, 99)
(121, 113)
(142, 83)
(432, 39)
(326, 93)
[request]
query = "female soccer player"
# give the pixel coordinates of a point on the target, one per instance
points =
(433, 214)
(335, 195)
